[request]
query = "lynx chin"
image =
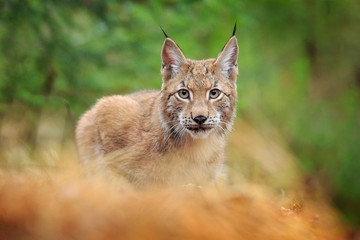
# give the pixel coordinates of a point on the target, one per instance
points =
(175, 136)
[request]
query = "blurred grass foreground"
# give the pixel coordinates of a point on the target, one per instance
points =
(297, 135)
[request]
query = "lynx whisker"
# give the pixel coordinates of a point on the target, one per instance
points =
(172, 132)
(224, 131)
(227, 124)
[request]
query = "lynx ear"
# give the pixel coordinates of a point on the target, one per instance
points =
(227, 59)
(172, 59)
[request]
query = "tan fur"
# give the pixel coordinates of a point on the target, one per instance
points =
(151, 137)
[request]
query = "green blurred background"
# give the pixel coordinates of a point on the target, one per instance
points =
(299, 69)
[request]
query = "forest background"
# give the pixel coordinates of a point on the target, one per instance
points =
(299, 75)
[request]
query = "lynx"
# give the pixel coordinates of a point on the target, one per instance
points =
(175, 136)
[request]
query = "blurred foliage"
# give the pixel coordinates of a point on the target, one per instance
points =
(299, 66)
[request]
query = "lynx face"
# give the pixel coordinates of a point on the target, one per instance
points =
(198, 97)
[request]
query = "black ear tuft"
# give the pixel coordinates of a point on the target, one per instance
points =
(234, 31)
(166, 36)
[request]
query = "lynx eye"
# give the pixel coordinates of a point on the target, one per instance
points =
(183, 93)
(214, 93)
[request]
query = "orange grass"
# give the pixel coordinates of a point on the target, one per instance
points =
(63, 205)
(51, 198)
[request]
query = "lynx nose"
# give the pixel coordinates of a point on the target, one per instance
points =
(200, 119)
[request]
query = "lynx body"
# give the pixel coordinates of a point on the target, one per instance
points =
(175, 136)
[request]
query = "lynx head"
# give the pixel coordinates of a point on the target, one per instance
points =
(198, 97)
